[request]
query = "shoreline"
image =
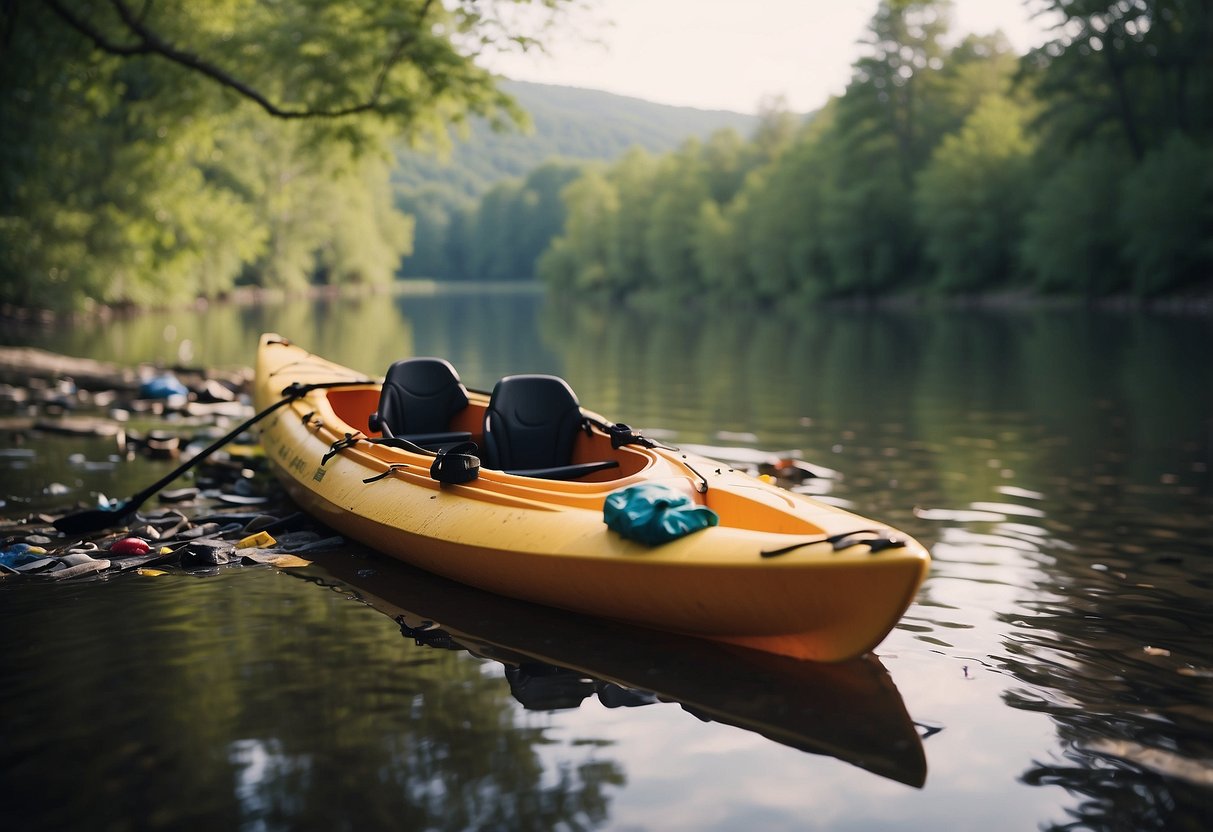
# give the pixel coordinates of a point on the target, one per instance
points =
(1194, 305)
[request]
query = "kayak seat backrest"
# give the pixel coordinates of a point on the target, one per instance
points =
(530, 427)
(419, 398)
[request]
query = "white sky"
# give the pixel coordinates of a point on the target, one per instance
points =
(730, 54)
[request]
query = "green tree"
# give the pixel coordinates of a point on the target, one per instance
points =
(725, 164)
(139, 146)
(884, 142)
(972, 196)
(435, 210)
(1071, 235)
(633, 181)
(892, 83)
(780, 220)
(1130, 72)
(958, 170)
(719, 254)
(496, 227)
(681, 189)
(515, 221)
(575, 262)
(1166, 218)
(977, 67)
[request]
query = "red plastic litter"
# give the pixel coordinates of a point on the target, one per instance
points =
(130, 546)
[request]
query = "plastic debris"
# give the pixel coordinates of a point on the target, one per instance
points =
(180, 534)
(76, 565)
(207, 552)
(130, 546)
(178, 495)
(19, 554)
(162, 387)
(273, 558)
(260, 540)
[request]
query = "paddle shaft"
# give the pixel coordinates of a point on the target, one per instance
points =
(103, 516)
(135, 500)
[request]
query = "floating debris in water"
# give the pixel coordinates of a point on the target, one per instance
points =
(166, 539)
(198, 526)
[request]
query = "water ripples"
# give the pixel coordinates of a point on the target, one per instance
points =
(1101, 604)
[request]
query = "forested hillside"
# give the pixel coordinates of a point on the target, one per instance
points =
(489, 207)
(565, 123)
(1084, 168)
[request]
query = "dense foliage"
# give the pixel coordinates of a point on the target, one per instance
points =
(456, 198)
(1084, 168)
(160, 151)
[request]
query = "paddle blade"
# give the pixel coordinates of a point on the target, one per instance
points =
(91, 520)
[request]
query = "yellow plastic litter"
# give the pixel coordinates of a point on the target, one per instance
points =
(260, 540)
(288, 561)
(151, 573)
(165, 550)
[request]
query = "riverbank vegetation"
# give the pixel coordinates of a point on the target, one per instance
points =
(160, 153)
(1084, 168)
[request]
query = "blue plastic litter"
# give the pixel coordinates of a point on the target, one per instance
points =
(20, 554)
(652, 513)
(162, 387)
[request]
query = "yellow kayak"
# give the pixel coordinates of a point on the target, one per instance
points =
(775, 570)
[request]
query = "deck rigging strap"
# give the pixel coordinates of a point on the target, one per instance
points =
(352, 439)
(883, 540)
(455, 465)
(399, 442)
(622, 434)
(391, 469)
(348, 441)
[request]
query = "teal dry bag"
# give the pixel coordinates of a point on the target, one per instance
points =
(652, 513)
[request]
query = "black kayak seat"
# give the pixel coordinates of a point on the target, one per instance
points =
(419, 398)
(530, 427)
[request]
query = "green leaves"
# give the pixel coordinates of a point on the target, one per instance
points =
(1166, 213)
(972, 195)
(150, 153)
(941, 171)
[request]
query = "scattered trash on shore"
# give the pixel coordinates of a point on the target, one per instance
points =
(167, 537)
(233, 515)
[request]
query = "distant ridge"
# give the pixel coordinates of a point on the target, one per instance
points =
(568, 123)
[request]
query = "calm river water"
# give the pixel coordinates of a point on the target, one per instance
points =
(1056, 670)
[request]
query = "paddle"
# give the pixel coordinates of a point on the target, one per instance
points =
(96, 519)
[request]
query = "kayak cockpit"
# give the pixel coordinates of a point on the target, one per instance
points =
(533, 428)
(739, 501)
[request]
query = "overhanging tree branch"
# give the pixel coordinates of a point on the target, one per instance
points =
(147, 42)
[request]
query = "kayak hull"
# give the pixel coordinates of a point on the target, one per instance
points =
(545, 541)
